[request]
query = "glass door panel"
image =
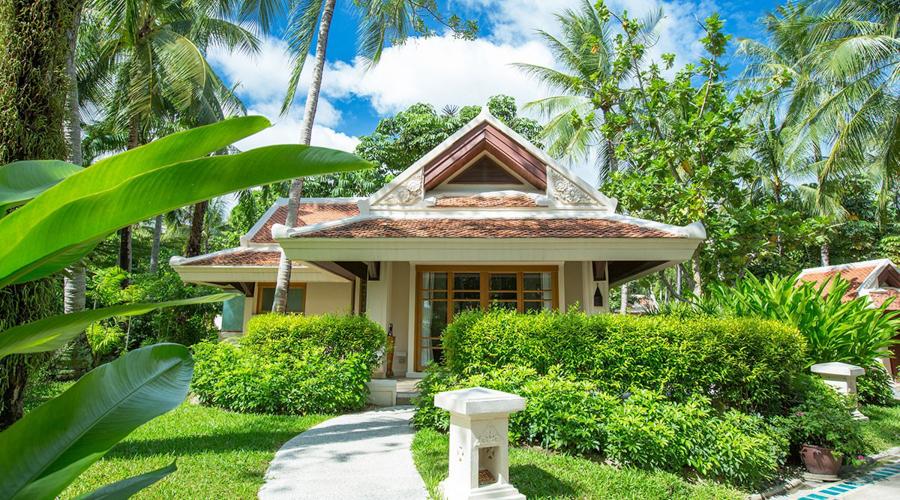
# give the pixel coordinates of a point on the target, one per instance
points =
(434, 315)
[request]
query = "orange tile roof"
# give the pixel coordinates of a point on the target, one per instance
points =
(488, 228)
(480, 201)
(248, 257)
(880, 297)
(308, 213)
(855, 275)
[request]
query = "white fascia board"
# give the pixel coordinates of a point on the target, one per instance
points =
(301, 273)
(490, 249)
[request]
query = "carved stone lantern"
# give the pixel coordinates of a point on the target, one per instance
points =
(842, 377)
(479, 443)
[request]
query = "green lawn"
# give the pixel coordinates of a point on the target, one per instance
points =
(540, 474)
(882, 431)
(220, 454)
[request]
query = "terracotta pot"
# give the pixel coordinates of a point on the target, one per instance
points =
(820, 460)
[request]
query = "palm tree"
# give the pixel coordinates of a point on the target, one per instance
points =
(381, 21)
(142, 60)
(588, 88)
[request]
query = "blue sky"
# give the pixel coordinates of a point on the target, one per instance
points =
(442, 70)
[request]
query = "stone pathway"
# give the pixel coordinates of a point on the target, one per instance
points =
(358, 456)
(880, 483)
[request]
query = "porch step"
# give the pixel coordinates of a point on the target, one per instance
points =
(406, 397)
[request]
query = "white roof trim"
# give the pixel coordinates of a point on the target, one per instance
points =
(280, 202)
(177, 260)
(871, 280)
(486, 117)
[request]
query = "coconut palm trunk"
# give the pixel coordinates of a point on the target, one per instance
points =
(198, 216)
(154, 248)
(282, 286)
(125, 250)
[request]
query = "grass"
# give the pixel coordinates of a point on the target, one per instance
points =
(219, 454)
(882, 431)
(541, 474)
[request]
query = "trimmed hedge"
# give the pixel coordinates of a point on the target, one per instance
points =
(644, 429)
(740, 363)
(291, 364)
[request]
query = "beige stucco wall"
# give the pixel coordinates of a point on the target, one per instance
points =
(399, 316)
(574, 284)
(322, 298)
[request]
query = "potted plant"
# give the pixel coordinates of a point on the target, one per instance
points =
(824, 428)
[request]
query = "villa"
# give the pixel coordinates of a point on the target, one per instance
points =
(486, 219)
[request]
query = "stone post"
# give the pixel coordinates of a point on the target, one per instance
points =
(479, 443)
(842, 377)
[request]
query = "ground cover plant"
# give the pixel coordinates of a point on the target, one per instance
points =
(537, 473)
(291, 364)
(722, 399)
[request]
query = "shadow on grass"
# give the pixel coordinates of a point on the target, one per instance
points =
(533, 481)
(187, 445)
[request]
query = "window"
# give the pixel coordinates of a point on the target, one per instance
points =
(296, 302)
(444, 292)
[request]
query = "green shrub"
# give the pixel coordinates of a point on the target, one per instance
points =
(237, 379)
(849, 332)
(651, 432)
(105, 339)
(338, 335)
(875, 387)
(291, 364)
(824, 418)
(745, 364)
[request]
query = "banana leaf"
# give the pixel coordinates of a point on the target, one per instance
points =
(51, 333)
(40, 243)
(23, 180)
(51, 445)
(127, 487)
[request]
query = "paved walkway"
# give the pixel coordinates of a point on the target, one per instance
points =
(880, 483)
(358, 456)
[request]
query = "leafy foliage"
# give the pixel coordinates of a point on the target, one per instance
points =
(875, 387)
(291, 365)
(835, 330)
(746, 364)
(824, 418)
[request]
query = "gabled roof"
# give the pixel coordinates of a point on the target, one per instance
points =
(485, 134)
(311, 211)
(865, 278)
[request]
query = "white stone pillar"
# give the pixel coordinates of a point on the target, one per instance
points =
(479, 443)
(842, 377)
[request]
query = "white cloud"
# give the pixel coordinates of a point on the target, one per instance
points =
(439, 71)
(516, 21)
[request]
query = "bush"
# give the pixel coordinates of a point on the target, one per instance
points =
(875, 387)
(237, 379)
(747, 364)
(338, 335)
(651, 432)
(291, 364)
(824, 418)
(849, 332)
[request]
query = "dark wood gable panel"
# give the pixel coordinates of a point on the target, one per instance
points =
(485, 171)
(486, 138)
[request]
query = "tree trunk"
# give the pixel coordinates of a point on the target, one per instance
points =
(825, 254)
(282, 286)
(197, 218)
(623, 306)
(612, 163)
(154, 249)
(33, 93)
(698, 279)
(125, 239)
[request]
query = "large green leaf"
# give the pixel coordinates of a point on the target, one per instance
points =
(127, 487)
(111, 171)
(23, 180)
(37, 244)
(51, 333)
(50, 446)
